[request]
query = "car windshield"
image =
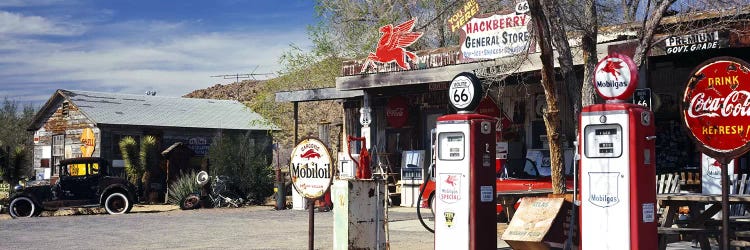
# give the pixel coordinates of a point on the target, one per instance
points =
(81, 169)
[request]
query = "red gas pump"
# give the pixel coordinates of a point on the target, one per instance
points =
(617, 177)
(465, 172)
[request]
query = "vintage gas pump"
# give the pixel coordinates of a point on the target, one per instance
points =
(465, 172)
(617, 177)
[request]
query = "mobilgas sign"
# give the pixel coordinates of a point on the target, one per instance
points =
(310, 168)
(495, 36)
(615, 77)
(716, 107)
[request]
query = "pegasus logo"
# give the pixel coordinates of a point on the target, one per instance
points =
(392, 43)
(310, 153)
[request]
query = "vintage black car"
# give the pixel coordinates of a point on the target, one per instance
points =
(83, 183)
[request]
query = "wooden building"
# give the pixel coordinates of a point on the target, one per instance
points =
(83, 123)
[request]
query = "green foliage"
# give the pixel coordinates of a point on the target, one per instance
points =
(149, 156)
(14, 120)
(17, 167)
(129, 150)
(246, 162)
(184, 185)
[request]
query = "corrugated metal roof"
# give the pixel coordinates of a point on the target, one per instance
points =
(145, 110)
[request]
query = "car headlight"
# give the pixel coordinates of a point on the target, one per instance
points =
(17, 188)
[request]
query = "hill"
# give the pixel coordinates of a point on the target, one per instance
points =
(246, 90)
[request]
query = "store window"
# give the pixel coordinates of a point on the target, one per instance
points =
(58, 151)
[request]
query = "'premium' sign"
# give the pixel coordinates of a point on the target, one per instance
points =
(716, 106)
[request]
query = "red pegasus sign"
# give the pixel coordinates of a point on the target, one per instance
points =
(392, 43)
(716, 107)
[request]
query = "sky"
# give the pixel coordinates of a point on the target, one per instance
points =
(135, 46)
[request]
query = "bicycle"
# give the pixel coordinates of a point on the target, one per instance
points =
(219, 196)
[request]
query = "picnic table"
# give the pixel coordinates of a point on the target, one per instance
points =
(699, 223)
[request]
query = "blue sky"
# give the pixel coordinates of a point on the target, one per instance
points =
(133, 46)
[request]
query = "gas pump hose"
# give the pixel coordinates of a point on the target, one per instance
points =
(421, 192)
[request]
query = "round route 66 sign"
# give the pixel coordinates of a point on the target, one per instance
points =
(465, 92)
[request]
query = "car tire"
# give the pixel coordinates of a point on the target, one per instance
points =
(117, 203)
(23, 207)
(191, 201)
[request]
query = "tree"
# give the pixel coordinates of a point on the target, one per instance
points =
(14, 138)
(245, 160)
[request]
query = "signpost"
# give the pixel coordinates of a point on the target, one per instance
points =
(716, 111)
(311, 170)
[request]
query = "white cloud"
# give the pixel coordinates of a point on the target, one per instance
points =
(18, 24)
(165, 58)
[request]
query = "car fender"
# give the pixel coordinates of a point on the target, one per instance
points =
(129, 191)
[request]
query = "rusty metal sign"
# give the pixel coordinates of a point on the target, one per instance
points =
(311, 168)
(716, 107)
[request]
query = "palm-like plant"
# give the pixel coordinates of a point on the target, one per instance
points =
(129, 150)
(149, 161)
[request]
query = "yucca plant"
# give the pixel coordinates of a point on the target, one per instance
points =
(129, 150)
(184, 185)
(149, 161)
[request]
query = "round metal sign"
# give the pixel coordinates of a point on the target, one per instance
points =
(311, 168)
(615, 77)
(716, 107)
(465, 92)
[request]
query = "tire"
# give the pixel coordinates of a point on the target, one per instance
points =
(117, 203)
(432, 204)
(23, 207)
(191, 201)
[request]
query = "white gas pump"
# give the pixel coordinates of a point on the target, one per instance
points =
(465, 172)
(617, 178)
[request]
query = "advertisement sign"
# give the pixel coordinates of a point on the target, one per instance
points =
(495, 36)
(615, 77)
(310, 168)
(397, 111)
(392, 43)
(716, 107)
(694, 42)
(462, 15)
(89, 142)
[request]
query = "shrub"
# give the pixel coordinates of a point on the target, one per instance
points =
(246, 161)
(129, 150)
(184, 185)
(149, 161)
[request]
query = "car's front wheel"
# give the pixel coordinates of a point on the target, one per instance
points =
(117, 203)
(23, 207)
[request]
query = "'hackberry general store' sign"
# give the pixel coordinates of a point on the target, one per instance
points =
(495, 36)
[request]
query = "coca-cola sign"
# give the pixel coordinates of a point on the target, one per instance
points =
(716, 107)
(397, 111)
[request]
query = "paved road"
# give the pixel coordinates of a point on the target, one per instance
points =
(164, 227)
(243, 228)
